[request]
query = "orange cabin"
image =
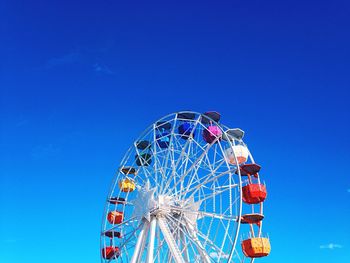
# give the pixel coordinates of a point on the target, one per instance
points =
(115, 217)
(110, 252)
(254, 193)
(256, 247)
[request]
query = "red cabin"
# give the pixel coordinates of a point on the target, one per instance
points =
(115, 217)
(110, 252)
(254, 193)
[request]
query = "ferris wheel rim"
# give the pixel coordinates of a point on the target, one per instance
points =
(149, 128)
(126, 156)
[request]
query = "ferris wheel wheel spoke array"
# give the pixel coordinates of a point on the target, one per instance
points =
(181, 193)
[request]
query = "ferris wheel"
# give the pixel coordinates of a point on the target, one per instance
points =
(187, 190)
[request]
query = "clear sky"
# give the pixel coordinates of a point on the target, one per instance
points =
(80, 80)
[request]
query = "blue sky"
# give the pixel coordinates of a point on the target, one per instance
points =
(80, 80)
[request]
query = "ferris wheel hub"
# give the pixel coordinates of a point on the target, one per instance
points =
(148, 205)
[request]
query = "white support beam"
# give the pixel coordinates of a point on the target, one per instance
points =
(152, 233)
(184, 245)
(143, 244)
(138, 246)
(169, 238)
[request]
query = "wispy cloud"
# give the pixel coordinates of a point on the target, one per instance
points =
(100, 68)
(45, 151)
(22, 122)
(79, 58)
(11, 240)
(69, 58)
(216, 255)
(331, 246)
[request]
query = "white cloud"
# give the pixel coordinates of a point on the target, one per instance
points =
(330, 246)
(45, 151)
(100, 68)
(69, 58)
(216, 255)
(9, 240)
(22, 122)
(79, 58)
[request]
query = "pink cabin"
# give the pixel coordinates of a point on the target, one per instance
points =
(212, 133)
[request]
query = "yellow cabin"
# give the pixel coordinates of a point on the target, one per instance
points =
(127, 185)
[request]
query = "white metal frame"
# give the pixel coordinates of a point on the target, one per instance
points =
(200, 222)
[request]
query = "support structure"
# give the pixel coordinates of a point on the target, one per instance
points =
(140, 241)
(152, 233)
(174, 249)
(184, 245)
